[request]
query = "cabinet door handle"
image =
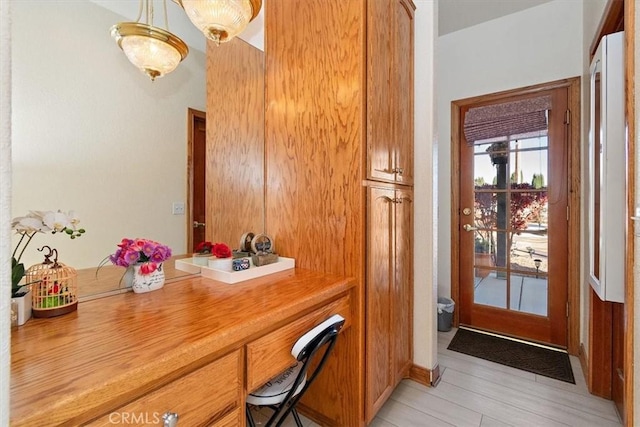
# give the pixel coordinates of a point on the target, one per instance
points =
(399, 171)
(170, 419)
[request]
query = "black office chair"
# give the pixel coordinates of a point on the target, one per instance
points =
(283, 392)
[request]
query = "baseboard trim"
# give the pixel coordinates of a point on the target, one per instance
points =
(424, 376)
(584, 363)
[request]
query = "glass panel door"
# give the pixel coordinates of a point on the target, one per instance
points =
(511, 230)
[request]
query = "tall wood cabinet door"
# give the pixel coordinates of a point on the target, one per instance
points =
(379, 334)
(380, 156)
(402, 301)
(402, 90)
(390, 90)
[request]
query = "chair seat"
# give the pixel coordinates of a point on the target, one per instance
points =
(275, 390)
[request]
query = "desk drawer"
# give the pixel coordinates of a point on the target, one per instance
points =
(271, 354)
(206, 396)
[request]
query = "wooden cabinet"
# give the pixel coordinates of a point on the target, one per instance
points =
(211, 395)
(389, 228)
(270, 355)
(339, 122)
(188, 349)
(390, 91)
(389, 291)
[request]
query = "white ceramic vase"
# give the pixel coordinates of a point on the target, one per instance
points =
(142, 283)
(21, 309)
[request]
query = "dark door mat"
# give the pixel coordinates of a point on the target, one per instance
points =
(528, 357)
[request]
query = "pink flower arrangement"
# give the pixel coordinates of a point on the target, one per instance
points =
(140, 251)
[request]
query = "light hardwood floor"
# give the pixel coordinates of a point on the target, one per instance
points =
(475, 392)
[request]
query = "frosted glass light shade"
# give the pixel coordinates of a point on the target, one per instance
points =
(152, 50)
(221, 20)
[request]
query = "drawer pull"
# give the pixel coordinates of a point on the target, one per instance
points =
(170, 419)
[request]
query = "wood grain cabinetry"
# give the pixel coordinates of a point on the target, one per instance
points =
(339, 120)
(271, 354)
(389, 291)
(211, 395)
(389, 228)
(130, 358)
(390, 91)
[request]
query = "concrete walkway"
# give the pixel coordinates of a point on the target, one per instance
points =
(527, 293)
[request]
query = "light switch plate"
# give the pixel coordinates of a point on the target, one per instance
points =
(178, 208)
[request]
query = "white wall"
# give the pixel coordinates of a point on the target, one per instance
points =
(93, 134)
(425, 254)
(534, 46)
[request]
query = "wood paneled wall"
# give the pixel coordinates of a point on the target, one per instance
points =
(235, 141)
(315, 134)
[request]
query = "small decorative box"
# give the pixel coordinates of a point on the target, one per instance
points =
(240, 264)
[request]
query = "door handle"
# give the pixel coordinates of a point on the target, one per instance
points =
(197, 224)
(469, 227)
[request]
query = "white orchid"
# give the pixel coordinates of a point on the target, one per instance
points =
(28, 224)
(38, 222)
(73, 219)
(56, 221)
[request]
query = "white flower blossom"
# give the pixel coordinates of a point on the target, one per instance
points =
(56, 221)
(28, 225)
(73, 220)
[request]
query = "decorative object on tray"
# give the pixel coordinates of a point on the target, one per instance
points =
(202, 253)
(221, 259)
(263, 248)
(245, 242)
(27, 227)
(243, 264)
(262, 243)
(240, 254)
(240, 264)
(145, 258)
(264, 258)
(54, 286)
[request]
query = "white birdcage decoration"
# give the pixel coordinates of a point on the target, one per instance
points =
(54, 286)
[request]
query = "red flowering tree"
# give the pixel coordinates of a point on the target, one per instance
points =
(526, 206)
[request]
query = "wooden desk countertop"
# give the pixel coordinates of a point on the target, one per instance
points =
(83, 364)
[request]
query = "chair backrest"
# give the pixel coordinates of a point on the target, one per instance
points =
(305, 350)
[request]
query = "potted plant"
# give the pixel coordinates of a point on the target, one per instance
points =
(27, 227)
(482, 257)
(145, 259)
(221, 259)
(202, 253)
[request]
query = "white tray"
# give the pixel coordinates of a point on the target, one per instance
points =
(283, 263)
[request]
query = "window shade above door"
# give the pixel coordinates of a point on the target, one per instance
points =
(512, 119)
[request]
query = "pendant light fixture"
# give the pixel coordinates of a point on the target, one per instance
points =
(153, 50)
(221, 20)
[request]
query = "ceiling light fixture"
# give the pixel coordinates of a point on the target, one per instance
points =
(221, 20)
(153, 50)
